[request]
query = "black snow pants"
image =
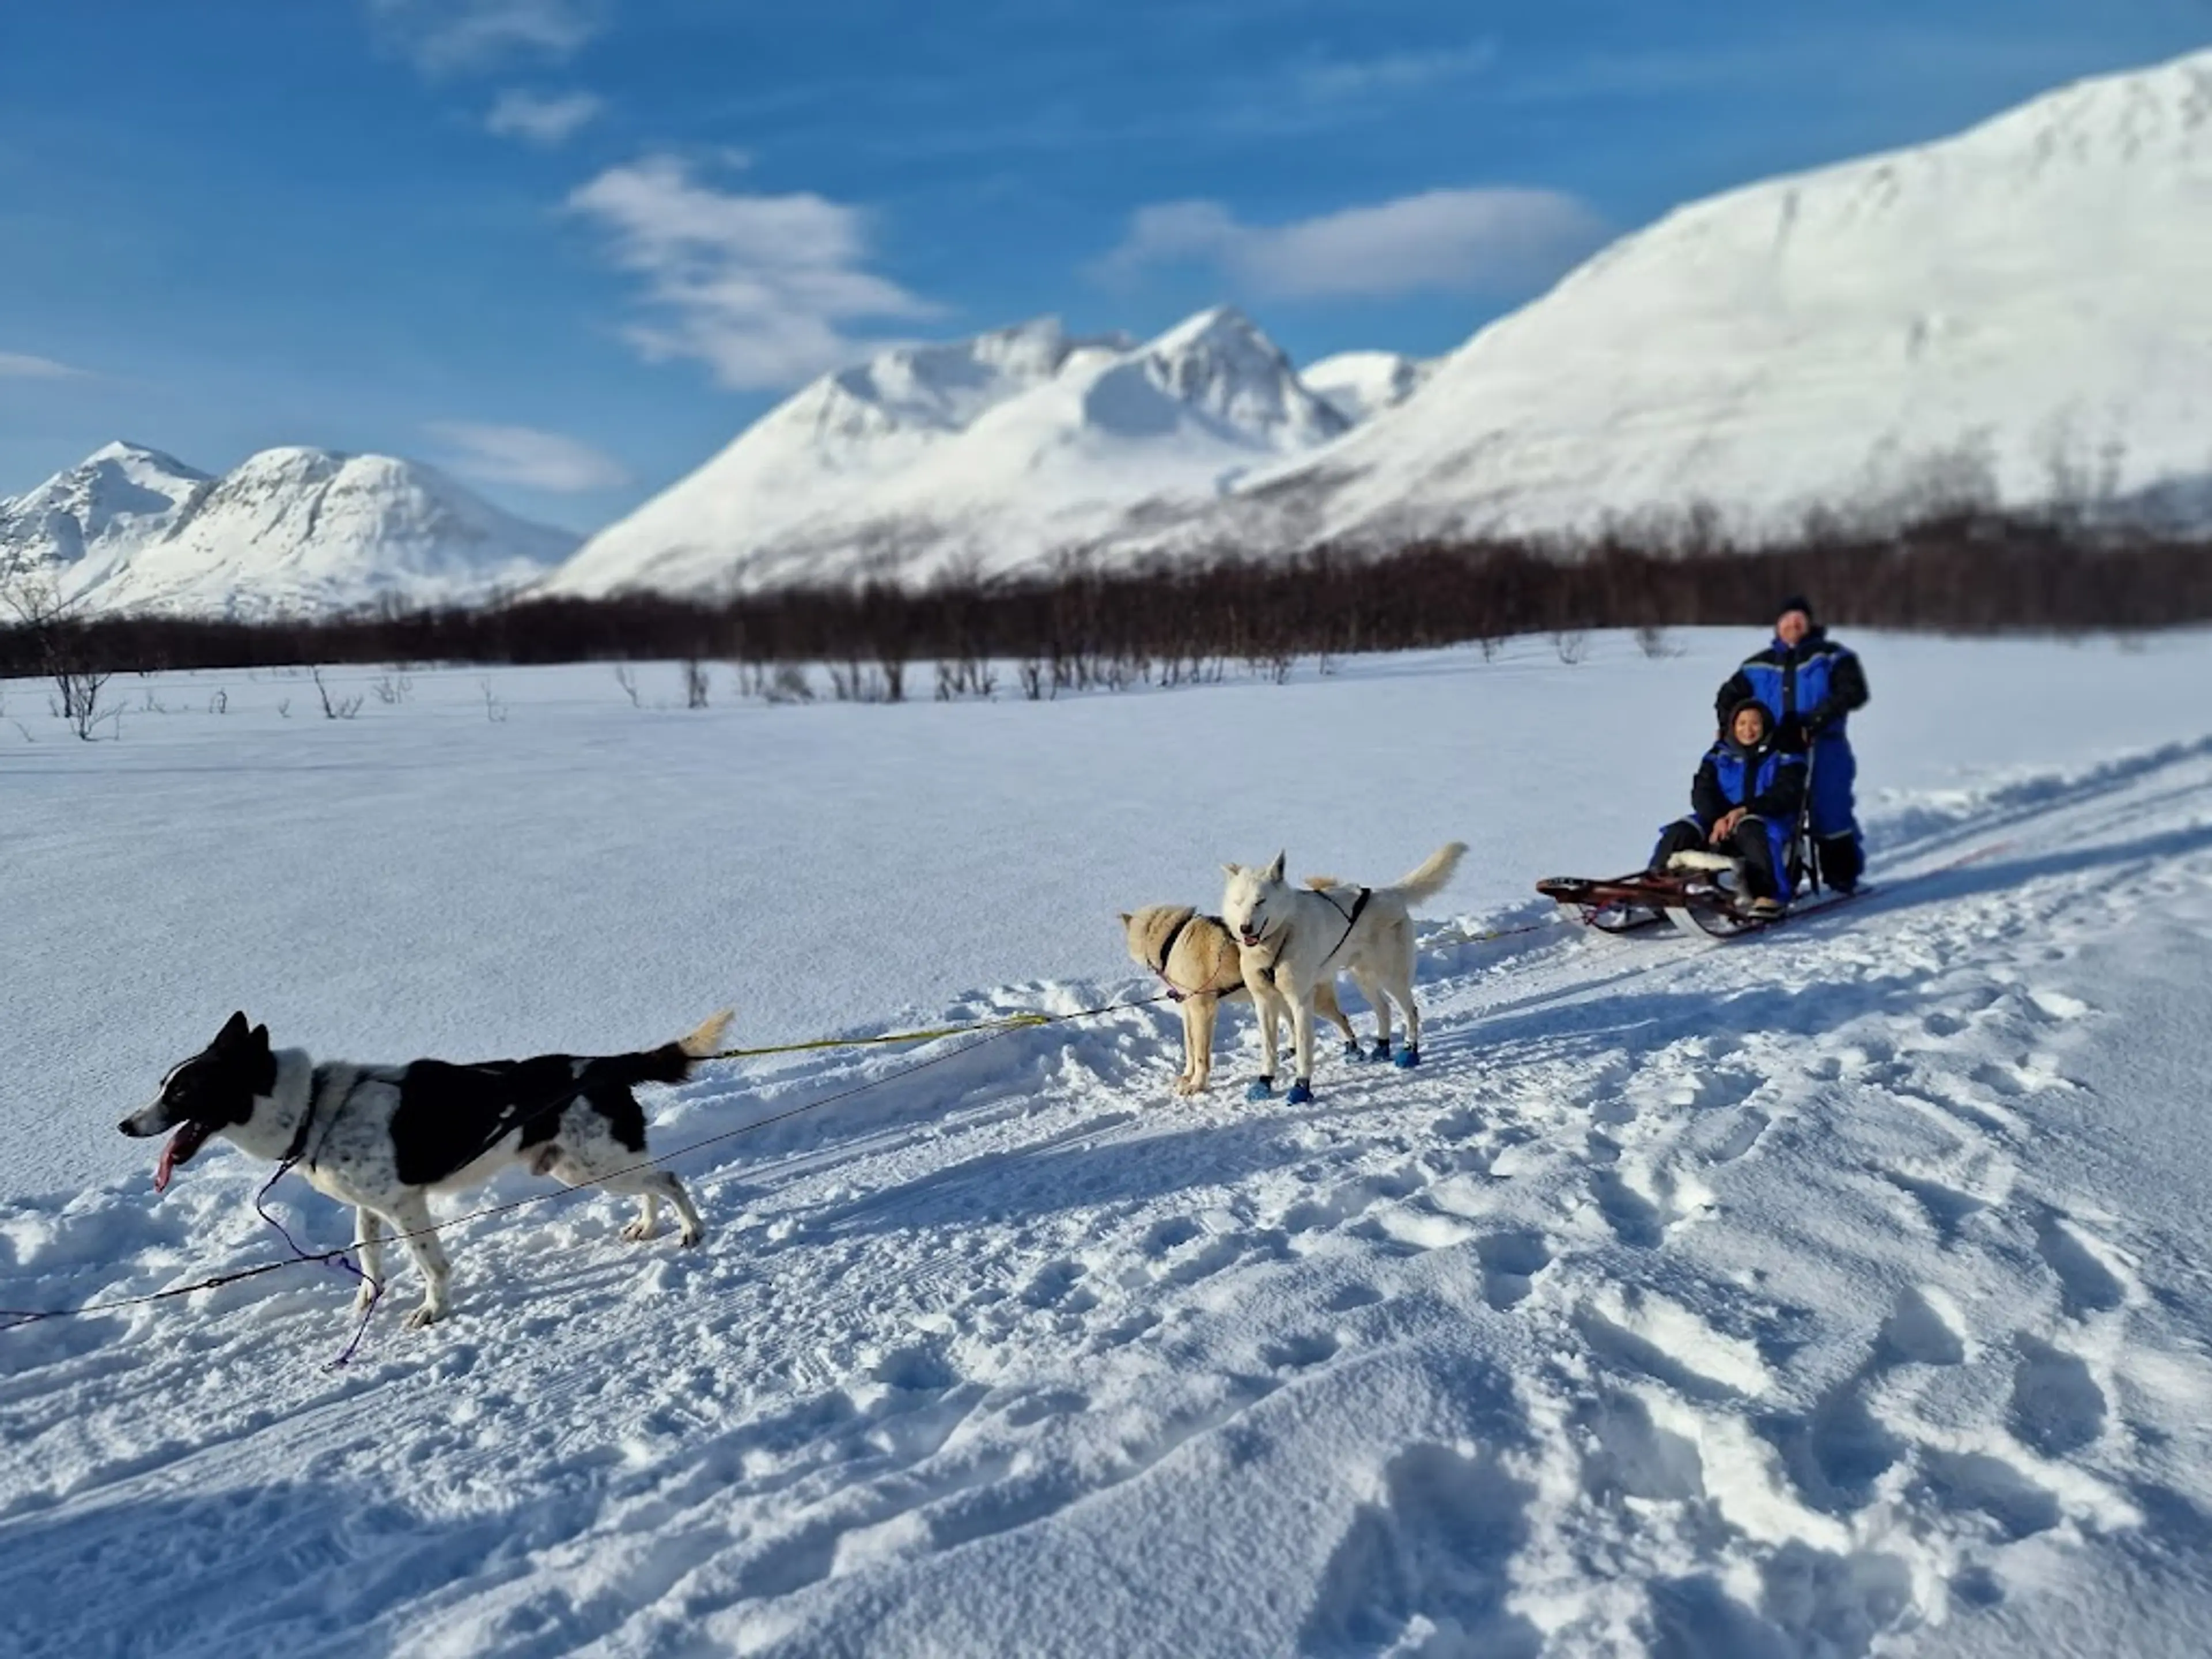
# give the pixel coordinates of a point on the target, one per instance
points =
(1749, 843)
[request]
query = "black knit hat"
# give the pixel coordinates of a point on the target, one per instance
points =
(1796, 602)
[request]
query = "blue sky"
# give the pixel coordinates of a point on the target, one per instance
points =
(569, 248)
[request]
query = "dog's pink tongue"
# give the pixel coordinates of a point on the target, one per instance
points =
(168, 1166)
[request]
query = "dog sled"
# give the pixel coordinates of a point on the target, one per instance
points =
(1690, 900)
(1695, 894)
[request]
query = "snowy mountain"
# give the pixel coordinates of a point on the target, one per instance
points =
(983, 455)
(290, 530)
(80, 520)
(1361, 384)
(2014, 315)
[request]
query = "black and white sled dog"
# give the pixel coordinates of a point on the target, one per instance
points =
(1293, 938)
(384, 1138)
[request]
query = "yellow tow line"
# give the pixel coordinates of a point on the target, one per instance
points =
(1005, 1023)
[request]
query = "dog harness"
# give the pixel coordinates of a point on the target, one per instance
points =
(1351, 921)
(1176, 993)
(292, 1153)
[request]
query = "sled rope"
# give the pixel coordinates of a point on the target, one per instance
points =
(341, 1258)
(1007, 1022)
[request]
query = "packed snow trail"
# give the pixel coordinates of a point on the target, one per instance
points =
(1837, 1292)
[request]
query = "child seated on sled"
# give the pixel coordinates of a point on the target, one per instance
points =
(1744, 807)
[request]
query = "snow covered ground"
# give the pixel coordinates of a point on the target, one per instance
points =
(1843, 1291)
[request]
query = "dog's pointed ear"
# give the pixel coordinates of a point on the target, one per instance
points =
(1274, 871)
(234, 1030)
(1125, 918)
(261, 1038)
(1232, 869)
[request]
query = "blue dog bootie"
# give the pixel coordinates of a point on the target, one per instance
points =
(1301, 1093)
(1353, 1052)
(1261, 1088)
(1409, 1056)
(1382, 1050)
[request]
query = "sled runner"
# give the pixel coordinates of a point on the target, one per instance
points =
(1632, 903)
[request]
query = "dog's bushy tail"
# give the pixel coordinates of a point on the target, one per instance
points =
(673, 1062)
(1434, 875)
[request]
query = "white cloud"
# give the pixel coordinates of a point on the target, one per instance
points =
(542, 120)
(761, 289)
(1461, 240)
(525, 456)
(446, 37)
(21, 366)
(1348, 80)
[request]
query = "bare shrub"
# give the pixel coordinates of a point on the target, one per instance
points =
(391, 690)
(219, 702)
(335, 708)
(60, 652)
(695, 683)
(860, 682)
(626, 677)
(790, 684)
(1653, 642)
(494, 710)
(1573, 644)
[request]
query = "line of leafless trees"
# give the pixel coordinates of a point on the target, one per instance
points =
(1966, 571)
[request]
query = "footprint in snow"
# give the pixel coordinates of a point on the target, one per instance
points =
(1625, 1453)
(2085, 1283)
(1302, 1352)
(2056, 1407)
(1947, 1208)
(1996, 1488)
(1923, 1329)
(1510, 1261)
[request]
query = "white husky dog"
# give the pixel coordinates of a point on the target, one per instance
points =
(1293, 938)
(1198, 959)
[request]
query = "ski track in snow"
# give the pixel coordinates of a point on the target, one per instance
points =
(1688, 1300)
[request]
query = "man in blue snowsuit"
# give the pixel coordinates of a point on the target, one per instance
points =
(1744, 803)
(1810, 685)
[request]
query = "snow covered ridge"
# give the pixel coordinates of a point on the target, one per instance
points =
(289, 532)
(978, 457)
(94, 515)
(2006, 319)
(1360, 384)
(2009, 317)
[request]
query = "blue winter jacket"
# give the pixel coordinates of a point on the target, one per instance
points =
(1810, 689)
(1768, 782)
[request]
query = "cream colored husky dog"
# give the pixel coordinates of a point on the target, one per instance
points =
(1197, 959)
(1296, 939)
